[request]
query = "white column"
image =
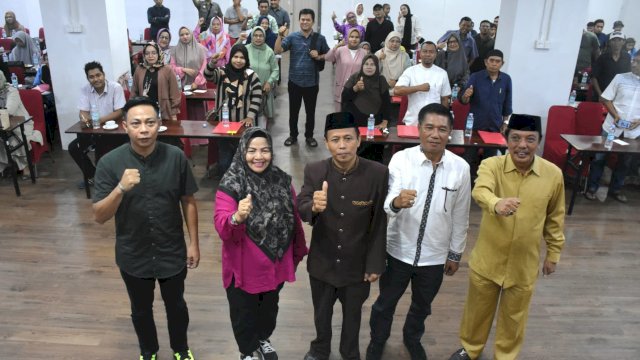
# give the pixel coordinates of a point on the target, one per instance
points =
(99, 32)
(540, 50)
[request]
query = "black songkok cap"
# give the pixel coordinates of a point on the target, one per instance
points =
(339, 120)
(525, 122)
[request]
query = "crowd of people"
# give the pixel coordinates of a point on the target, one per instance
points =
(409, 230)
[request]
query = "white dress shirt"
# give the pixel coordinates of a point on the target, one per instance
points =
(438, 87)
(624, 92)
(445, 234)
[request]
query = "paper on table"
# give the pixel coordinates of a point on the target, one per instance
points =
(231, 130)
(408, 131)
(620, 142)
(199, 91)
(492, 138)
(363, 131)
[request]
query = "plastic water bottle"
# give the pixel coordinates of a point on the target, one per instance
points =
(468, 130)
(454, 92)
(14, 80)
(225, 115)
(371, 123)
(5, 57)
(179, 82)
(130, 81)
(611, 135)
(95, 117)
(35, 61)
(572, 98)
(585, 77)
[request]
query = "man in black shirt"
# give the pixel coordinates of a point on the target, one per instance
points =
(131, 183)
(158, 17)
(613, 62)
(484, 43)
(377, 29)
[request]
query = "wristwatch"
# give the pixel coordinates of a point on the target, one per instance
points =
(233, 220)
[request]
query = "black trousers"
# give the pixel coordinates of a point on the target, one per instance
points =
(425, 283)
(141, 296)
(310, 97)
(351, 297)
(253, 316)
(78, 151)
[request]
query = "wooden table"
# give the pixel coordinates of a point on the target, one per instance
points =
(210, 95)
(175, 129)
(587, 145)
(6, 134)
(457, 139)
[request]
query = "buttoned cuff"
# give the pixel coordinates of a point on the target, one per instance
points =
(393, 208)
(454, 256)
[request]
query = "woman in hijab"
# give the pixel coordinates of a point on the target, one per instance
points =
(24, 49)
(215, 40)
(366, 46)
(393, 61)
(352, 23)
(189, 59)
(263, 62)
(164, 39)
(239, 88)
(270, 37)
(262, 240)
(11, 25)
(158, 82)
(454, 61)
(367, 92)
(360, 16)
(409, 27)
(10, 99)
(347, 60)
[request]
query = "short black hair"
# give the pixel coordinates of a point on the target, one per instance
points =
(437, 109)
(307, 12)
(494, 52)
(138, 101)
(591, 24)
(598, 21)
(465, 18)
(485, 21)
(92, 65)
(385, 5)
(377, 7)
(428, 42)
(263, 1)
(493, 25)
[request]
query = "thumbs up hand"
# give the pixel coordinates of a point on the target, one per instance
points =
(244, 209)
(320, 199)
(359, 86)
(468, 93)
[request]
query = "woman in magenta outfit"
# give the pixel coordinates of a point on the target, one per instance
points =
(262, 240)
(215, 40)
(348, 59)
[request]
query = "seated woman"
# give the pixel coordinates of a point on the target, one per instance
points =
(42, 81)
(11, 24)
(393, 60)
(263, 62)
(270, 37)
(365, 93)
(454, 61)
(164, 41)
(158, 82)
(24, 49)
(239, 88)
(347, 60)
(10, 99)
(216, 41)
(262, 240)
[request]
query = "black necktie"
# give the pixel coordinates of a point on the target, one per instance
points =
(425, 215)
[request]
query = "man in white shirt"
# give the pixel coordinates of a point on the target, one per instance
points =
(428, 207)
(424, 83)
(263, 10)
(622, 100)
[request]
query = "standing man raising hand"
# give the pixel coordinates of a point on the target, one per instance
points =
(342, 198)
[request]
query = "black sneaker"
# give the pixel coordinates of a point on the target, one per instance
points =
(147, 356)
(310, 356)
(267, 350)
(374, 351)
(290, 141)
(311, 142)
(416, 350)
(460, 354)
(184, 355)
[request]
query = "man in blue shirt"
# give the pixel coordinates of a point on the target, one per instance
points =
(489, 92)
(468, 42)
(598, 30)
(303, 73)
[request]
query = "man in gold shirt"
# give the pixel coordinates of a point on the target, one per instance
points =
(522, 201)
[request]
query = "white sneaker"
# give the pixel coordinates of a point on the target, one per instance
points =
(267, 351)
(255, 356)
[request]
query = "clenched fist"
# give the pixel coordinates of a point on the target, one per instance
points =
(130, 178)
(359, 86)
(507, 206)
(405, 199)
(244, 209)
